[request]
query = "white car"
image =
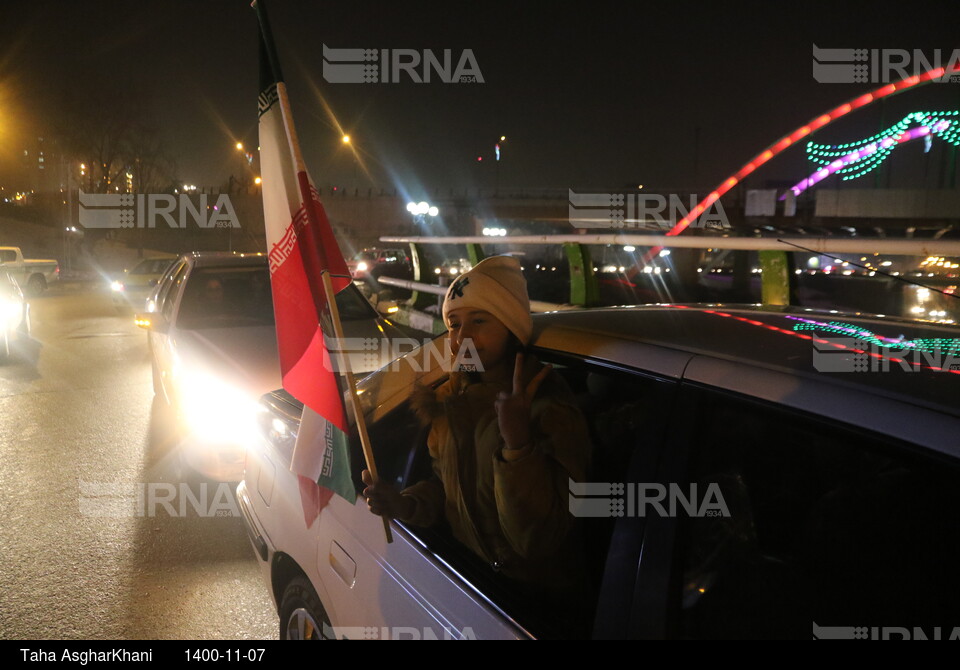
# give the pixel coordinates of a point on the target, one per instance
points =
(755, 473)
(213, 350)
(14, 314)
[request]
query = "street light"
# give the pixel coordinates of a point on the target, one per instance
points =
(421, 210)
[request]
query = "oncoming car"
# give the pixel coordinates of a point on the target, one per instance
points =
(380, 262)
(213, 352)
(755, 473)
(133, 287)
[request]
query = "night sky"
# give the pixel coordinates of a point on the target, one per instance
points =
(604, 97)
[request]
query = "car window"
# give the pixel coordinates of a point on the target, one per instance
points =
(623, 412)
(7, 256)
(353, 306)
(827, 527)
(151, 267)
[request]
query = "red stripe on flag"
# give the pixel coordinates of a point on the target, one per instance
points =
(308, 372)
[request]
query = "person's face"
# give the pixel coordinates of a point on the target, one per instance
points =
(213, 290)
(490, 337)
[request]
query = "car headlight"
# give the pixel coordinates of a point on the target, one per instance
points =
(116, 286)
(362, 267)
(10, 311)
(215, 410)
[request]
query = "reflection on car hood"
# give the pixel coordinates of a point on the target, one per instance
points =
(248, 356)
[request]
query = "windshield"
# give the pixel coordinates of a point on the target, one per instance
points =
(225, 297)
(152, 266)
(231, 297)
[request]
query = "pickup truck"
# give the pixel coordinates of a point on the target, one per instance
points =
(33, 275)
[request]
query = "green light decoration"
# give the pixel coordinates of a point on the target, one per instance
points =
(949, 346)
(876, 148)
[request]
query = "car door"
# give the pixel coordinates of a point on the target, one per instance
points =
(161, 337)
(825, 528)
(428, 579)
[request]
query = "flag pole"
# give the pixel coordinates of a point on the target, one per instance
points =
(354, 397)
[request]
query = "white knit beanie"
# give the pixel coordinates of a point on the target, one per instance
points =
(496, 285)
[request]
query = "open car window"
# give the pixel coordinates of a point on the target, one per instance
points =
(623, 412)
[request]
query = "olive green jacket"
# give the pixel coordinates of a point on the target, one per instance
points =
(510, 507)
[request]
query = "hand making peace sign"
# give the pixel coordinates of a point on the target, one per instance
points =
(513, 409)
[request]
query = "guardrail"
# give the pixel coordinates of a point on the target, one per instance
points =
(584, 287)
(433, 289)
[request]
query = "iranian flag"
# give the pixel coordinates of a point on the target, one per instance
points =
(307, 270)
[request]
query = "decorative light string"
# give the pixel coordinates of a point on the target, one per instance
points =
(855, 159)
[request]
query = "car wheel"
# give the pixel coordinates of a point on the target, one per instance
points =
(36, 285)
(302, 616)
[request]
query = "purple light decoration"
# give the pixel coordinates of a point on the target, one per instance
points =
(860, 154)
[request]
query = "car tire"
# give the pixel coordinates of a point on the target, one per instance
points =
(36, 285)
(302, 616)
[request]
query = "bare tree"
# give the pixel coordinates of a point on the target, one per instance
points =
(112, 140)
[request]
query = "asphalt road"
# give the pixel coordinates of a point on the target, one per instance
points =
(87, 550)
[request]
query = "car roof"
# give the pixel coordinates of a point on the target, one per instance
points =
(768, 353)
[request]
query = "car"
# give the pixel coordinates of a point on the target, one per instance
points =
(33, 276)
(373, 263)
(14, 314)
(213, 352)
(756, 472)
(452, 267)
(132, 288)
